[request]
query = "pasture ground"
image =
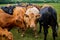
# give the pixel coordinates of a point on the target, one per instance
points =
(29, 33)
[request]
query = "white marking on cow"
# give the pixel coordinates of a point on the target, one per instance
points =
(32, 10)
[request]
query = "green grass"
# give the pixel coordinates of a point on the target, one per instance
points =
(29, 33)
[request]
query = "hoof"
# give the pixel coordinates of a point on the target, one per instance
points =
(18, 31)
(36, 36)
(22, 35)
(39, 32)
(56, 35)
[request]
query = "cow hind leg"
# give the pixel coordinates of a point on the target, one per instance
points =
(35, 32)
(40, 28)
(23, 32)
(22, 35)
(54, 32)
(45, 31)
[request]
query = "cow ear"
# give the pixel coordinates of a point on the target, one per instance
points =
(26, 15)
(38, 16)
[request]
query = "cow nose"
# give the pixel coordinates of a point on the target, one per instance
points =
(4, 35)
(32, 26)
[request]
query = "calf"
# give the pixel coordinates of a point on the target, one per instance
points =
(19, 22)
(16, 19)
(48, 18)
(8, 9)
(30, 18)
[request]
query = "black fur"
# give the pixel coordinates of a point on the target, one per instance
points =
(8, 10)
(49, 17)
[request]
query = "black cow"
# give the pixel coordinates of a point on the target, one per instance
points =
(48, 18)
(8, 10)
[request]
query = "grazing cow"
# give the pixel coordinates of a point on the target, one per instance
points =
(8, 21)
(6, 34)
(20, 19)
(30, 18)
(16, 19)
(8, 9)
(48, 18)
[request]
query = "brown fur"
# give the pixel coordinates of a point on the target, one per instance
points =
(31, 16)
(20, 17)
(6, 34)
(17, 19)
(6, 19)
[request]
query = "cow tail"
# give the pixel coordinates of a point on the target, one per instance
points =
(57, 26)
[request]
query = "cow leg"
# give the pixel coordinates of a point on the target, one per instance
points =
(18, 30)
(40, 28)
(54, 32)
(9, 29)
(45, 31)
(35, 32)
(23, 32)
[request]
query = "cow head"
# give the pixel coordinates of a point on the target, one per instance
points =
(31, 19)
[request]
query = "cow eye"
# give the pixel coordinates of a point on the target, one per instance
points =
(36, 16)
(26, 15)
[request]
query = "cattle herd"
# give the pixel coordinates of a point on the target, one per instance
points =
(27, 16)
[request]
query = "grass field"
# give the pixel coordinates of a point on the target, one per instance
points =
(29, 33)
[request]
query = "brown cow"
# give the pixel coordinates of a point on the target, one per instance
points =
(6, 34)
(20, 19)
(6, 19)
(17, 19)
(31, 16)
(23, 22)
